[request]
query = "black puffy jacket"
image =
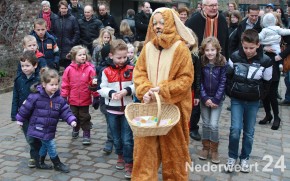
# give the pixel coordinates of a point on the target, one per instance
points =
(66, 29)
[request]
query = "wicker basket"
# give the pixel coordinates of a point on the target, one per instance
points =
(160, 110)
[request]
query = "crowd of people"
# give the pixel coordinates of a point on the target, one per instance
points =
(192, 60)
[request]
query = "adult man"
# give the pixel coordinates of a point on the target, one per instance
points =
(107, 19)
(90, 28)
(76, 9)
(171, 78)
(207, 23)
(142, 20)
(251, 22)
(269, 8)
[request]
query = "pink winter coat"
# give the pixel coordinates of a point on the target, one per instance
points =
(76, 80)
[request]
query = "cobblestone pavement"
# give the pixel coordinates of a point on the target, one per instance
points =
(90, 163)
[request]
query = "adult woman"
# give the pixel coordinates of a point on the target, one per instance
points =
(47, 14)
(66, 29)
(284, 19)
(183, 14)
(235, 19)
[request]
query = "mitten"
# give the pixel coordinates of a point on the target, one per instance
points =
(96, 102)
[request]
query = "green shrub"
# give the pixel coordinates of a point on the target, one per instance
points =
(3, 73)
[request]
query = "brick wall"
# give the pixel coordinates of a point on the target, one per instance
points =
(9, 54)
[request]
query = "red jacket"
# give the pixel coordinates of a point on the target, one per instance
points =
(76, 80)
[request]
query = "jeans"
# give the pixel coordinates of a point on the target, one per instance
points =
(122, 136)
(243, 116)
(48, 146)
(287, 83)
(34, 143)
(109, 134)
(210, 122)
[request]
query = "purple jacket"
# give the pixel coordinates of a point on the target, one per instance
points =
(43, 113)
(213, 80)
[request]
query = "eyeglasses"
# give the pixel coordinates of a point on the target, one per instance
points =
(212, 5)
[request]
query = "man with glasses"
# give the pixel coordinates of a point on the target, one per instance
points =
(207, 22)
(251, 22)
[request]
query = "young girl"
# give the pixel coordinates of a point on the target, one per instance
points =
(105, 37)
(212, 90)
(76, 80)
(125, 32)
(43, 109)
(117, 88)
(131, 54)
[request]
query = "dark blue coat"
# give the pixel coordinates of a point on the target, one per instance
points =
(49, 48)
(109, 20)
(21, 91)
(43, 113)
(66, 29)
(213, 80)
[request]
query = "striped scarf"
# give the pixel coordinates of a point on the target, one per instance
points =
(211, 25)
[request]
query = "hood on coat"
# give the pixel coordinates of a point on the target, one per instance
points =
(269, 20)
(173, 31)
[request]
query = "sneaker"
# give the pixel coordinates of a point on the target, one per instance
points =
(86, 141)
(75, 134)
(31, 163)
(244, 166)
(281, 67)
(108, 147)
(120, 163)
(128, 170)
(230, 165)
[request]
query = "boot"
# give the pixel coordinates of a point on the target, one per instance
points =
(87, 137)
(205, 150)
(214, 152)
(128, 170)
(39, 163)
(75, 132)
(276, 123)
(58, 166)
(268, 118)
(43, 165)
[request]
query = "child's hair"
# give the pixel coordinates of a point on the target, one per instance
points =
(99, 40)
(46, 74)
(28, 38)
(194, 48)
(30, 57)
(39, 21)
(62, 2)
(138, 46)
(250, 36)
(74, 50)
(125, 28)
(118, 45)
(129, 45)
(213, 41)
(110, 29)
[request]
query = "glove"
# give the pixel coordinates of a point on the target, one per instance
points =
(73, 124)
(96, 102)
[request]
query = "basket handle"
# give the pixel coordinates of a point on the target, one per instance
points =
(158, 107)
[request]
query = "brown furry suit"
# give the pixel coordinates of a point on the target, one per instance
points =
(172, 149)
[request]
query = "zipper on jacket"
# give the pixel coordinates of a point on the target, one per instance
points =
(210, 73)
(120, 84)
(158, 66)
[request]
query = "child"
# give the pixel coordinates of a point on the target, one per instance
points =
(76, 79)
(43, 110)
(29, 43)
(248, 79)
(117, 88)
(138, 46)
(212, 91)
(271, 33)
(46, 43)
(105, 38)
(125, 32)
(21, 91)
(131, 54)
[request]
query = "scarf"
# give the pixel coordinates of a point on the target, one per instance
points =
(211, 25)
(46, 17)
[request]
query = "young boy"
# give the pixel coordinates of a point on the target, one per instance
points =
(46, 43)
(249, 77)
(27, 78)
(29, 43)
(117, 88)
